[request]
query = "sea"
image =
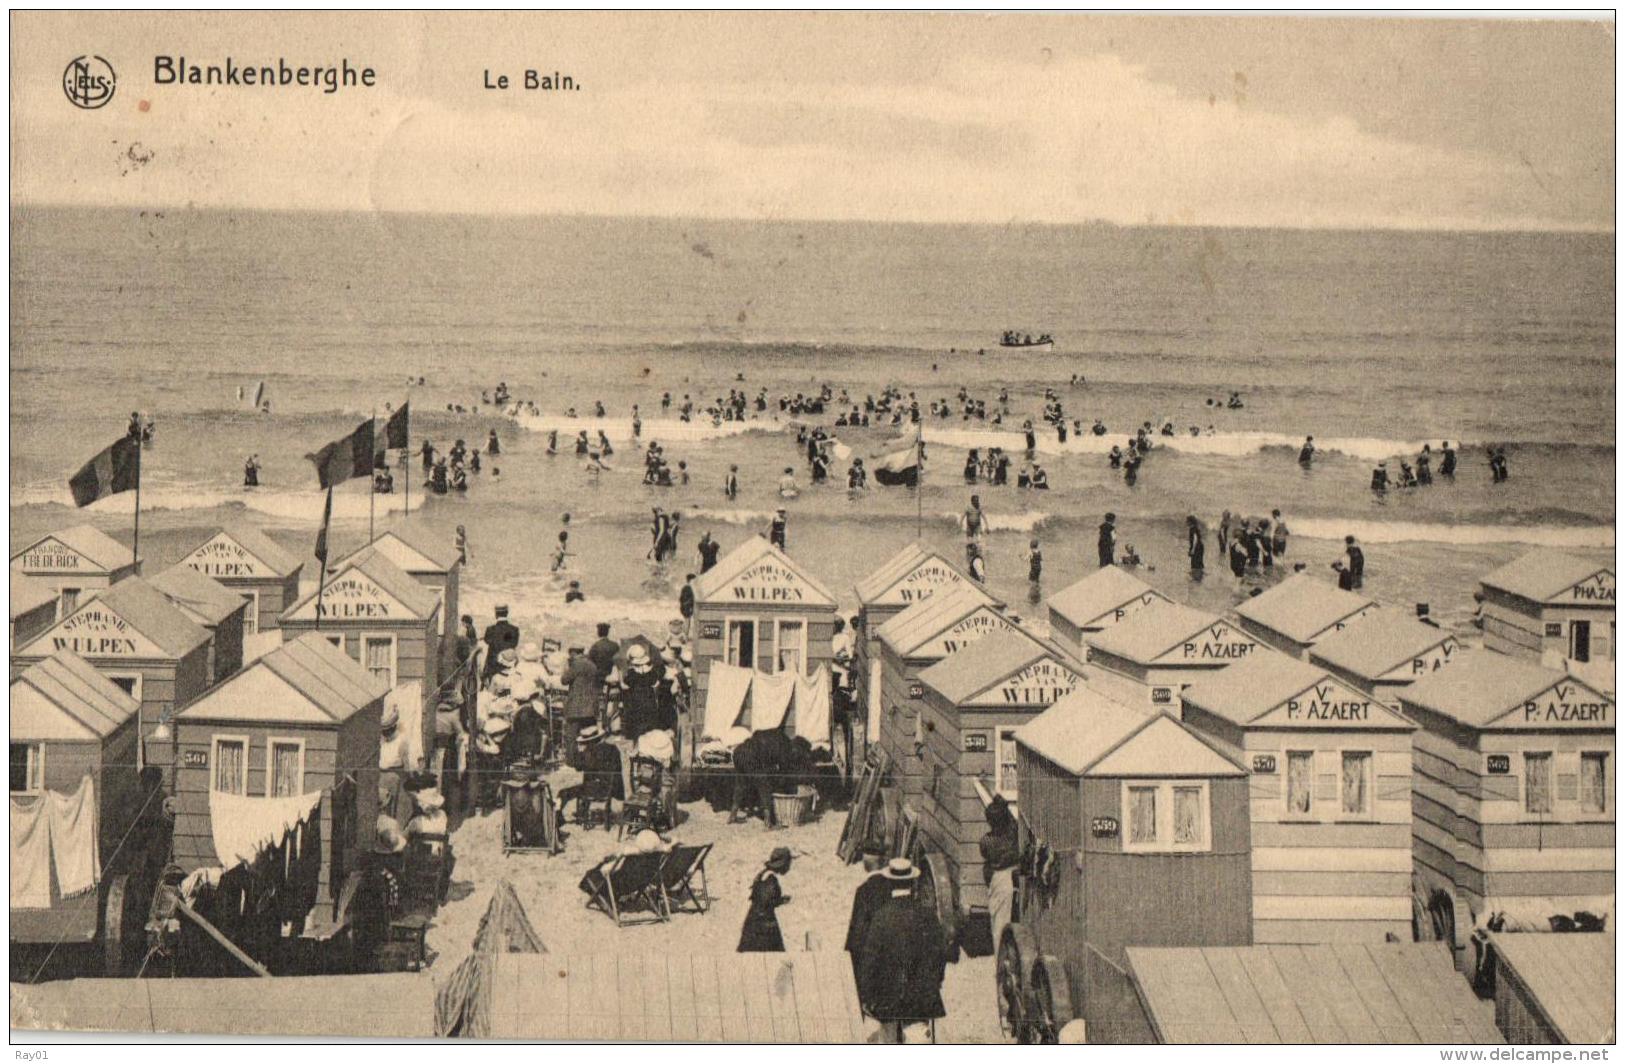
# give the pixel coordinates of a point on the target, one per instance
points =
(1373, 342)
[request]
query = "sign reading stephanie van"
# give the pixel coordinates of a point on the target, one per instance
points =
(97, 632)
(768, 581)
(1042, 683)
(353, 596)
(929, 577)
(222, 557)
(984, 621)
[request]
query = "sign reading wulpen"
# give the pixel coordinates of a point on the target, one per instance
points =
(178, 70)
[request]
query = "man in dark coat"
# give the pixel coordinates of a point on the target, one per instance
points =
(759, 764)
(641, 688)
(904, 956)
(603, 652)
(600, 771)
(870, 895)
(583, 693)
(1106, 546)
(499, 636)
(685, 604)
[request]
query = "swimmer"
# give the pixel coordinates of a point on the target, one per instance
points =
(788, 489)
(251, 472)
(1306, 453)
(1447, 464)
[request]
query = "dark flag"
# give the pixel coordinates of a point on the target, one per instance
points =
(899, 468)
(398, 428)
(350, 457)
(321, 534)
(116, 469)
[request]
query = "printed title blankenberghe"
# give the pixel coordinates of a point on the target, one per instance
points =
(176, 70)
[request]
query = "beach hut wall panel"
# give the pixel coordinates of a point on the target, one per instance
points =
(76, 563)
(213, 607)
(1514, 791)
(306, 708)
(972, 704)
(1100, 783)
(137, 638)
(1554, 989)
(436, 567)
(1100, 600)
(1300, 611)
(1547, 603)
(758, 608)
(1384, 651)
(33, 609)
(1330, 797)
(250, 563)
(1151, 656)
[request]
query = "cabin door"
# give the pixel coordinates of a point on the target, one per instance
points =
(1580, 640)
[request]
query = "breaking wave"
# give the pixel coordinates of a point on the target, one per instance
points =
(620, 428)
(295, 506)
(1335, 528)
(1226, 444)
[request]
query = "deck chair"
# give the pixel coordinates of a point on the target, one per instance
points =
(643, 807)
(631, 884)
(682, 879)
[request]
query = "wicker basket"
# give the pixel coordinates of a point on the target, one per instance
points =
(791, 810)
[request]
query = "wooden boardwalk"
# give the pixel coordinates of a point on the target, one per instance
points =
(729, 997)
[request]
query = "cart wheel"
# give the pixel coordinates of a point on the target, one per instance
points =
(939, 890)
(1051, 1001)
(1015, 956)
(113, 927)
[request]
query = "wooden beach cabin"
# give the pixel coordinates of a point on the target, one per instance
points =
(1398, 993)
(971, 704)
(303, 719)
(1139, 835)
(1550, 605)
(253, 565)
(911, 642)
(76, 562)
(69, 724)
(1513, 798)
(760, 609)
(33, 608)
(1097, 602)
(137, 638)
(1149, 658)
(1385, 651)
(217, 610)
(1331, 797)
(912, 575)
(437, 567)
(1555, 989)
(389, 623)
(1300, 611)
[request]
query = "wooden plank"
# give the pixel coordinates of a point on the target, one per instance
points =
(1356, 1020)
(657, 1004)
(579, 980)
(758, 1006)
(843, 1018)
(685, 1025)
(707, 1005)
(1275, 996)
(1306, 982)
(809, 1024)
(1419, 1008)
(1186, 1000)
(731, 998)
(552, 1001)
(1393, 1026)
(781, 993)
(629, 980)
(1245, 1004)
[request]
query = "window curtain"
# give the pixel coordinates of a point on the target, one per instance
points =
(1142, 824)
(378, 662)
(230, 766)
(1300, 782)
(1537, 783)
(1007, 764)
(1356, 782)
(1187, 815)
(285, 780)
(1594, 783)
(789, 639)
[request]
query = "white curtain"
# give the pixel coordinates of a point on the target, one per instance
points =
(1537, 783)
(230, 767)
(770, 699)
(1356, 782)
(1142, 822)
(1188, 815)
(725, 691)
(812, 707)
(1300, 782)
(1594, 783)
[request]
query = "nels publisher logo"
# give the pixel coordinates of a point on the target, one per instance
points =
(89, 82)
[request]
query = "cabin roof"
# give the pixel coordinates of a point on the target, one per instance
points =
(144, 608)
(330, 687)
(92, 542)
(1408, 992)
(915, 626)
(1089, 734)
(1101, 591)
(198, 596)
(1301, 607)
(29, 593)
(897, 567)
(1378, 641)
(421, 600)
(1570, 978)
(74, 686)
(1253, 686)
(1151, 632)
(412, 552)
(1543, 574)
(989, 660)
(741, 558)
(1483, 686)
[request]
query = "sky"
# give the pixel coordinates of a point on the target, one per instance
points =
(1003, 119)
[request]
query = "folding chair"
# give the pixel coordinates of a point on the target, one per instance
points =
(642, 807)
(683, 866)
(632, 883)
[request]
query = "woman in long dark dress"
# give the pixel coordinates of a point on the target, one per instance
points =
(761, 932)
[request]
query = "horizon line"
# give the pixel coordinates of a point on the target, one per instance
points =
(1363, 227)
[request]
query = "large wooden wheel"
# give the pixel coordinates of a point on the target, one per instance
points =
(1013, 961)
(939, 891)
(1051, 998)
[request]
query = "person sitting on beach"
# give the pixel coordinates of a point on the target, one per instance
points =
(1024, 477)
(1040, 479)
(788, 489)
(574, 593)
(1131, 558)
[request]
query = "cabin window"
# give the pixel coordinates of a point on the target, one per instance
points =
(1356, 782)
(285, 768)
(1594, 782)
(251, 616)
(791, 641)
(1167, 817)
(1300, 782)
(1007, 763)
(336, 640)
(379, 659)
(70, 601)
(27, 768)
(741, 648)
(230, 759)
(1537, 783)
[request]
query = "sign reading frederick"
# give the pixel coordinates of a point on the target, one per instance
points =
(1219, 643)
(51, 555)
(1569, 704)
(925, 580)
(985, 621)
(223, 557)
(1331, 704)
(1594, 590)
(1043, 683)
(95, 631)
(352, 596)
(771, 581)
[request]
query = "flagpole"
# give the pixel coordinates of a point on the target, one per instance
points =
(919, 485)
(321, 573)
(372, 487)
(135, 548)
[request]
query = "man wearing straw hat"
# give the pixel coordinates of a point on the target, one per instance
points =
(584, 690)
(600, 770)
(903, 960)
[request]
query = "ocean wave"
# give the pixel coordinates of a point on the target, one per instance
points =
(1026, 521)
(1559, 536)
(1224, 444)
(303, 507)
(664, 430)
